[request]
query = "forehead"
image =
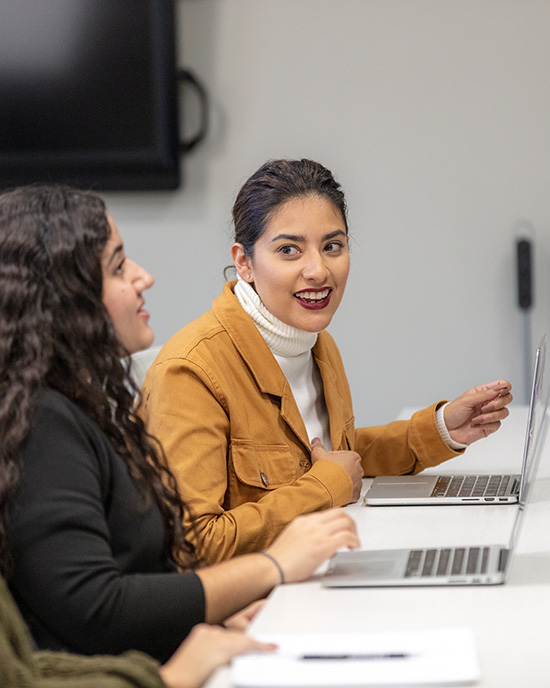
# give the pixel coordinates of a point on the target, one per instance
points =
(114, 242)
(307, 213)
(114, 235)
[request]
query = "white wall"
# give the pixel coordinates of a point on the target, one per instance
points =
(434, 115)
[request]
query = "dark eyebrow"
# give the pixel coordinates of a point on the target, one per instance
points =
(118, 249)
(299, 238)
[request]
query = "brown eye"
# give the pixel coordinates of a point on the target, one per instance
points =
(288, 250)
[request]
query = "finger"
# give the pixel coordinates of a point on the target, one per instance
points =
(257, 646)
(497, 385)
(498, 403)
(341, 525)
(343, 534)
(335, 516)
(480, 397)
(242, 644)
(324, 534)
(349, 540)
(318, 450)
(491, 409)
(486, 429)
(492, 417)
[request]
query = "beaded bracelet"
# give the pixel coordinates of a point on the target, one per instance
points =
(279, 569)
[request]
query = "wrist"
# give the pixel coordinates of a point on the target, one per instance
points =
(444, 431)
(276, 567)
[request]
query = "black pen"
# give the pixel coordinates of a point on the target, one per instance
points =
(370, 655)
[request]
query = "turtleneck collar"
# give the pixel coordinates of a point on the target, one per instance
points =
(282, 339)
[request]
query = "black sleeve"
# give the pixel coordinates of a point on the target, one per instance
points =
(20, 667)
(66, 578)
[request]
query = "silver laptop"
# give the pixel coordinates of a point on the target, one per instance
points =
(469, 565)
(423, 489)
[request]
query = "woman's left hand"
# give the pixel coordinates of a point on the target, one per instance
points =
(204, 650)
(240, 620)
(478, 412)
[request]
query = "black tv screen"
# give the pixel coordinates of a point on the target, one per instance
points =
(88, 94)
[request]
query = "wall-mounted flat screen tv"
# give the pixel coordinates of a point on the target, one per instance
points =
(88, 94)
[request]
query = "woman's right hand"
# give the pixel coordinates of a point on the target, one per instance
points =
(205, 649)
(309, 540)
(349, 460)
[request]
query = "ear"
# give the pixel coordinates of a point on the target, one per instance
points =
(243, 264)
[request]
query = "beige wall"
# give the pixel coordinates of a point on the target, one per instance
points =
(434, 115)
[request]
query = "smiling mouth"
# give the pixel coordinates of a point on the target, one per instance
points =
(142, 310)
(314, 299)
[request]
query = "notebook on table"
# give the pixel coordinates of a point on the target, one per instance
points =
(423, 489)
(466, 565)
(439, 657)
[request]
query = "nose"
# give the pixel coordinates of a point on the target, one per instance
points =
(315, 268)
(141, 279)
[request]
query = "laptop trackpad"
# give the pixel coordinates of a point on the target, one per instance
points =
(355, 568)
(403, 486)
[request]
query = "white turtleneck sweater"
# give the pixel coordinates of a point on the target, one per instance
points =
(292, 350)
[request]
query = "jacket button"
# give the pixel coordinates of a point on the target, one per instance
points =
(304, 463)
(265, 481)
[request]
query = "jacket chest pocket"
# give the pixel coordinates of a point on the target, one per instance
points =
(263, 466)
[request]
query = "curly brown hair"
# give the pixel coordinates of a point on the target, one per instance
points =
(56, 332)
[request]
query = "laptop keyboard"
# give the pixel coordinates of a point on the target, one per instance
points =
(447, 561)
(474, 485)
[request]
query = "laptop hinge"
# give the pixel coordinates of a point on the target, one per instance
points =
(503, 559)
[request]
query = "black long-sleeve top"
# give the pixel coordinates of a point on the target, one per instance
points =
(20, 667)
(91, 571)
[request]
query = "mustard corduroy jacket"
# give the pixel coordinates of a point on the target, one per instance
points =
(224, 412)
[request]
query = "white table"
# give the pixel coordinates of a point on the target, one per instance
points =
(511, 621)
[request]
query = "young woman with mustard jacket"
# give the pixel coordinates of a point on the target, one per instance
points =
(246, 398)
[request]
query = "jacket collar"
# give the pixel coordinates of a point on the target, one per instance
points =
(267, 372)
(249, 342)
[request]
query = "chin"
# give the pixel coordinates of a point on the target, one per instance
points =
(141, 344)
(313, 326)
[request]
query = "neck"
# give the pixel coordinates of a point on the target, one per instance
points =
(282, 339)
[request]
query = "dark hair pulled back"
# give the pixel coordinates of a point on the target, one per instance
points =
(275, 183)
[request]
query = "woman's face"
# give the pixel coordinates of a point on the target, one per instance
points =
(300, 264)
(123, 284)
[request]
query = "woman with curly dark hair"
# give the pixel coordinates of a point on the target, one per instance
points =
(90, 516)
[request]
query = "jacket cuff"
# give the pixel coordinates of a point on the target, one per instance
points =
(335, 479)
(441, 426)
(429, 446)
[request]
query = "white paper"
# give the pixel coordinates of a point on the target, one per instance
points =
(445, 656)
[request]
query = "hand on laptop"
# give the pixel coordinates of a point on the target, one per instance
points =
(309, 540)
(478, 412)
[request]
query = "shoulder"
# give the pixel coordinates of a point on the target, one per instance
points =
(215, 333)
(53, 409)
(51, 405)
(181, 344)
(62, 436)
